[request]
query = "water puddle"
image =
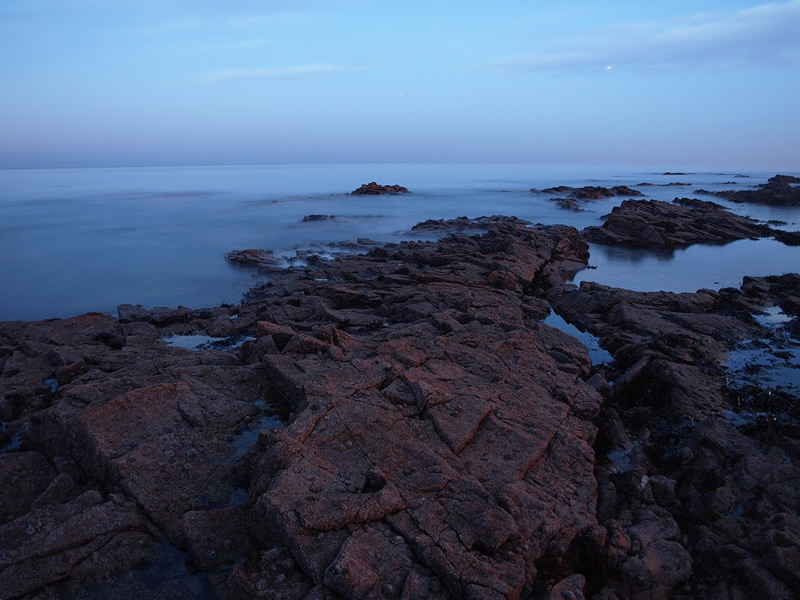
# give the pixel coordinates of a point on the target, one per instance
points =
(270, 418)
(746, 418)
(14, 443)
(248, 436)
(771, 361)
(772, 317)
(598, 355)
(206, 342)
(619, 459)
(167, 577)
(764, 376)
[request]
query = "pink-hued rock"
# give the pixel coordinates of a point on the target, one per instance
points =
(400, 424)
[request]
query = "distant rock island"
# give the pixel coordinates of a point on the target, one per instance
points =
(374, 189)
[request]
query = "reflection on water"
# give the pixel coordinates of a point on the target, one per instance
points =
(596, 353)
(75, 240)
(689, 269)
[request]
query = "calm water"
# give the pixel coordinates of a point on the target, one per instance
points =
(75, 240)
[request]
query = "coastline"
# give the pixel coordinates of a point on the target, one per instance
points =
(425, 434)
(78, 241)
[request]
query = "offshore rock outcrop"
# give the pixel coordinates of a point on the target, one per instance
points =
(576, 197)
(780, 190)
(664, 225)
(399, 424)
(374, 189)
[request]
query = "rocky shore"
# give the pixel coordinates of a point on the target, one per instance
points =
(402, 424)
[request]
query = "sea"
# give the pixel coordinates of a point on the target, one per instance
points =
(90, 239)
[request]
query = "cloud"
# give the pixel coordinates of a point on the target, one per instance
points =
(763, 35)
(276, 73)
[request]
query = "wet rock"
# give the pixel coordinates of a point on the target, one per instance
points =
(711, 490)
(254, 258)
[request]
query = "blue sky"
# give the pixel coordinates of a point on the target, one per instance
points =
(147, 82)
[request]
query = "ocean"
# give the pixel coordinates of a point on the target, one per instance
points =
(79, 240)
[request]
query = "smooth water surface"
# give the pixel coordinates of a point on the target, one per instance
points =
(78, 240)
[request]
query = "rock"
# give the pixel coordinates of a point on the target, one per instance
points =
(577, 196)
(309, 218)
(254, 258)
(465, 224)
(780, 190)
(402, 424)
(592, 192)
(373, 189)
(25, 477)
(706, 523)
(656, 224)
(86, 538)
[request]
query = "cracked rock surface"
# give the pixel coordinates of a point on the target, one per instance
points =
(399, 424)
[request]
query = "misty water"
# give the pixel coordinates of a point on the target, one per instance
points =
(78, 240)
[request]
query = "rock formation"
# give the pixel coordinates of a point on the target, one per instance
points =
(780, 190)
(399, 424)
(578, 196)
(374, 189)
(657, 224)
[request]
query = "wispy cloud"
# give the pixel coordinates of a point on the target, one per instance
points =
(764, 35)
(276, 73)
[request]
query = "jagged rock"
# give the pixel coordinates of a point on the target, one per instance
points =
(693, 485)
(466, 224)
(402, 424)
(253, 257)
(656, 224)
(87, 538)
(780, 190)
(591, 192)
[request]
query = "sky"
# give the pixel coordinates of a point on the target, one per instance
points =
(88, 83)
